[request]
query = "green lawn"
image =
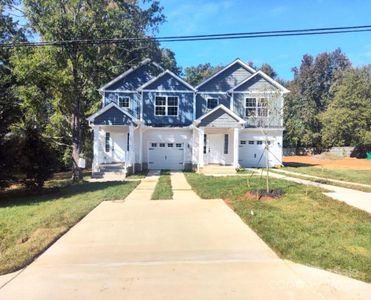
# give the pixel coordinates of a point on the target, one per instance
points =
(29, 223)
(163, 189)
(358, 176)
(303, 225)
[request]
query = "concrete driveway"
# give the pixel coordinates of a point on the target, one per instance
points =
(174, 249)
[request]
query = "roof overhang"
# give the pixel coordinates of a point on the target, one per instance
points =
(108, 107)
(148, 83)
(222, 107)
(266, 77)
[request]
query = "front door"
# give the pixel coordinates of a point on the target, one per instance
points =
(118, 147)
(215, 151)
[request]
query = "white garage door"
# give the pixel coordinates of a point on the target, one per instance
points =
(165, 156)
(252, 154)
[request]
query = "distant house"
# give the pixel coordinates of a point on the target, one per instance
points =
(153, 119)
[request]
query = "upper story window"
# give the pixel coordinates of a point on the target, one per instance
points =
(212, 103)
(256, 107)
(123, 101)
(166, 105)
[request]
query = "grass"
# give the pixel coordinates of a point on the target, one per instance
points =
(138, 175)
(163, 189)
(357, 176)
(326, 181)
(31, 222)
(303, 225)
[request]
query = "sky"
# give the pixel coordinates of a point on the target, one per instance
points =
(189, 17)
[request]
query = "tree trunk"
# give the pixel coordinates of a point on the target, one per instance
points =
(76, 130)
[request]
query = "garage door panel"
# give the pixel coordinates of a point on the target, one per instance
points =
(165, 156)
(252, 153)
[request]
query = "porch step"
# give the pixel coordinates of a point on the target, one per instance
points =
(218, 170)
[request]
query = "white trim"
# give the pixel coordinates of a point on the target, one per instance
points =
(124, 97)
(167, 91)
(266, 77)
(107, 107)
(210, 92)
(127, 72)
(166, 106)
(141, 106)
(194, 106)
(227, 110)
(207, 102)
(167, 128)
(120, 91)
(246, 66)
(161, 75)
(257, 106)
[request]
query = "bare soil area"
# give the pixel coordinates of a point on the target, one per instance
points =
(330, 163)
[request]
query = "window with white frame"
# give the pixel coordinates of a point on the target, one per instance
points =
(166, 105)
(256, 107)
(123, 101)
(212, 103)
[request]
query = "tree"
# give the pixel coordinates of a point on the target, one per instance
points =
(35, 158)
(267, 69)
(168, 61)
(9, 105)
(89, 65)
(347, 121)
(195, 75)
(310, 95)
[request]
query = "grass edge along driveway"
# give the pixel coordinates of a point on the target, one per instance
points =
(303, 225)
(29, 224)
(163, 190)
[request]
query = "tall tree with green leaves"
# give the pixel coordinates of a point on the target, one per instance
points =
(9, 105)
(310, 95)
(195, 75)
(347, 121)
(88, 65)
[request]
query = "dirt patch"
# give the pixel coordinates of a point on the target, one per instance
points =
(263, 195)
(317, 161)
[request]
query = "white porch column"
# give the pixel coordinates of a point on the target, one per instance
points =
(141, 147)
(201, 133)
(95, 166)
(131, 146)
(235, 147)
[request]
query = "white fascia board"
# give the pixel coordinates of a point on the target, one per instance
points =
(127, 72)
(252, 70)
(107, 107)
(161, 75)
(266, 77)
(228, 111)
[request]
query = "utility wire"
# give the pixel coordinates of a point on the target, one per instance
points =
(204, 37)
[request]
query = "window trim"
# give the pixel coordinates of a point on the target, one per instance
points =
(226, 143)
(257, 107)
(122, 97)
(207, 102)
(107, 142)
(166, 106)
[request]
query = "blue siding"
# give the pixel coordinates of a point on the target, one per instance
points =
(226, 80)
(168, 83)
(185, 110)
(201, 102)
(134, 108)
(257, 83)
(112, 116)
(136, 78)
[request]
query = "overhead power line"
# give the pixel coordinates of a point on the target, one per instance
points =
(203, 37)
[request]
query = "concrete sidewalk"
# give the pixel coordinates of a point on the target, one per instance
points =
(355, 198)
(181, 188)
(184, 249)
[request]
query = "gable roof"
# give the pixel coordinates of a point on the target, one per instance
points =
(236, 61)
(227, 110)
(127, 72)
(108, 107)
(266, 77)
(163, 74)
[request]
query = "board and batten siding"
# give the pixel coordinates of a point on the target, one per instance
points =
(201, 102)
(219, 119)
(113, 116)
(227, 79)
